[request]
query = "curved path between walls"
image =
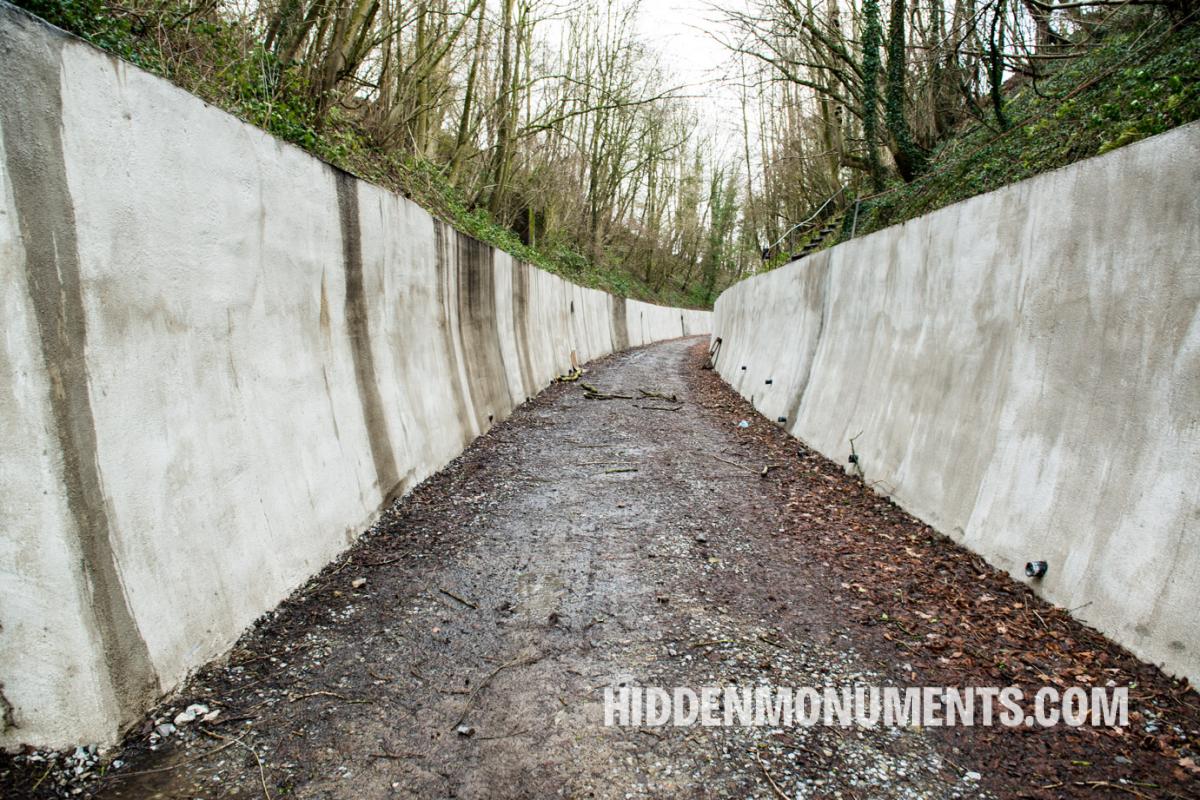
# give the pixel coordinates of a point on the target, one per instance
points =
(463, 646)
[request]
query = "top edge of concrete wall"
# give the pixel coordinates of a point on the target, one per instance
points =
(1030, 183)
(76, 40)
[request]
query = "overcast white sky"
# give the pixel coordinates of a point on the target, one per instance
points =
(679, 30)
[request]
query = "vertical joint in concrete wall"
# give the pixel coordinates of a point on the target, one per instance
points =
(793, 410)
(520, 304)
(358, 326)
(619, 323)
(31, 116)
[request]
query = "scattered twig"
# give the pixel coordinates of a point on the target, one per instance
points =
(38, 783)
(512, 735)
(228, 743)
(659, 408)
(394, 756)
(1107, 785)
(854, 456)
(262, 774)
(295, 698)
(767, 773)
(516, 662)
(620, 469)
(453, 596)
(735, 464)
(382, 563)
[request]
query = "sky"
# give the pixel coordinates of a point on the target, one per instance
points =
(681, 31)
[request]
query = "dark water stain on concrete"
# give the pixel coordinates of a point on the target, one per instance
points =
(819, 262)
(449, 331)
(486, 379)
(619, 323)
(520, 304)
(31, 117)
(358, 327)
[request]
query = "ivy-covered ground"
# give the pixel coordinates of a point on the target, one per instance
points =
(1141, 79)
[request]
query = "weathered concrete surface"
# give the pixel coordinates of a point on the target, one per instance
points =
(1022, 371)
(221, 356)
(670, 573)
(583, 544)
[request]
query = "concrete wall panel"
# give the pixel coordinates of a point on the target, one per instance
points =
(221, 357)
(1022, 371)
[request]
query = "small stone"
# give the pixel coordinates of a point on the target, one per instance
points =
(184, 717)
(166, 729)
(465, 730)
(358, 583)
(972, 776)
(212, 715)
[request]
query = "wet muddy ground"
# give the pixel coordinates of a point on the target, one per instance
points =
(462, 647)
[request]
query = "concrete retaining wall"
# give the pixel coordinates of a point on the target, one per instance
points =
(220, 358)
(1024, 371)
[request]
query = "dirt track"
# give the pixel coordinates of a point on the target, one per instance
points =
(591, 543)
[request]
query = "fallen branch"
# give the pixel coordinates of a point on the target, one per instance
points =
(659, 396)
(592, 393)
(602, 396)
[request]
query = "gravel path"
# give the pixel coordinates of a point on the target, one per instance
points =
(462, 647)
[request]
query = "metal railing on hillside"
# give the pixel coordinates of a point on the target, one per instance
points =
(808, 221)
